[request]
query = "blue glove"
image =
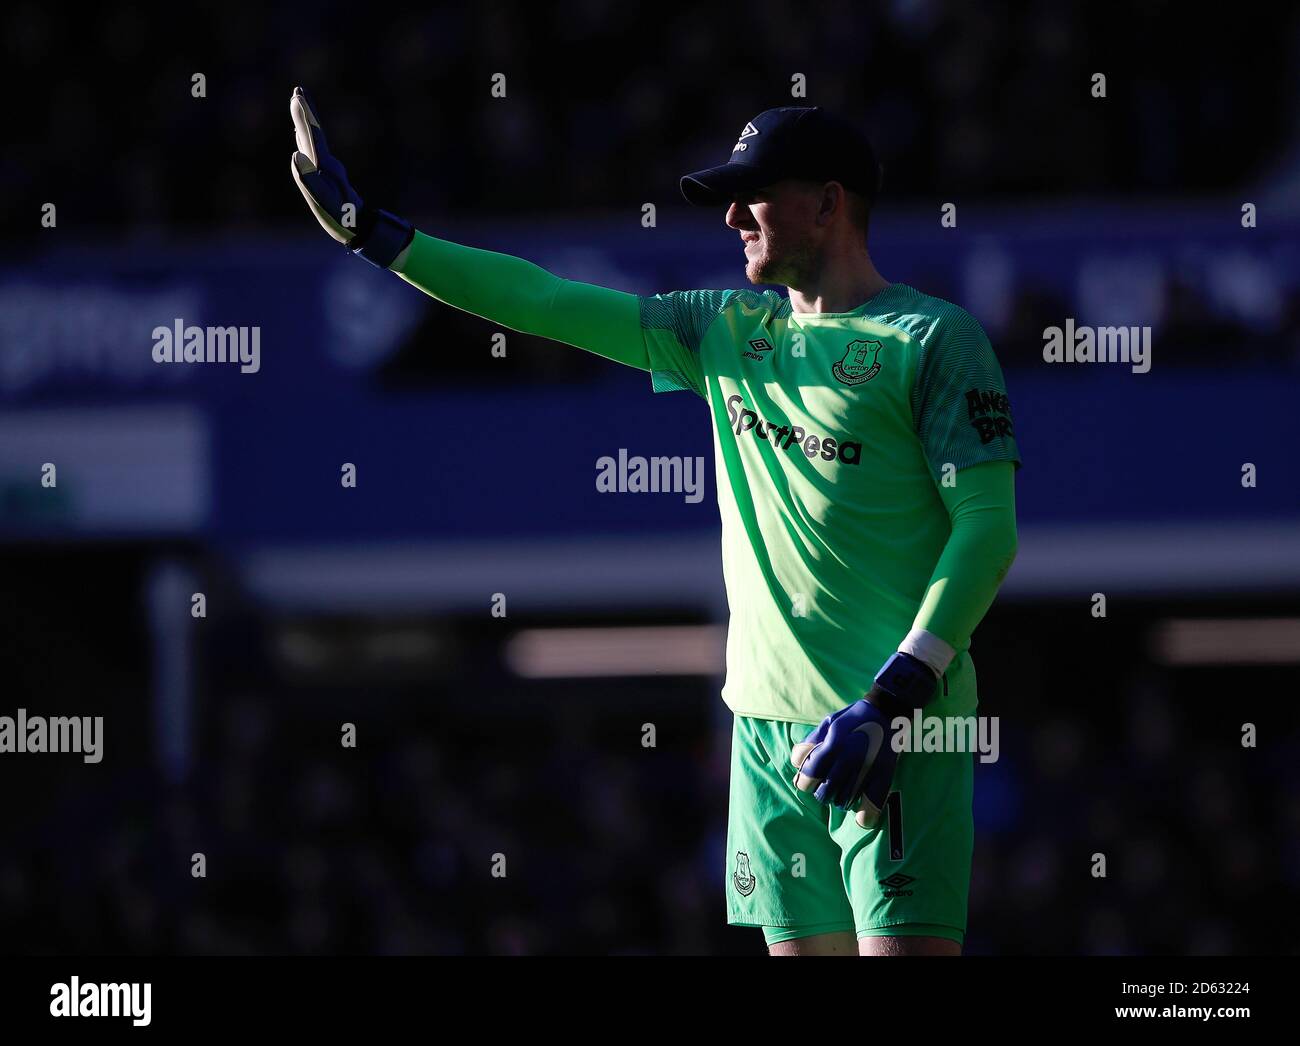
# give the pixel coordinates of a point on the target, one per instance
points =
(848, 759)
(375, 235)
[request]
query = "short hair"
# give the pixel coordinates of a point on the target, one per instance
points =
(859, 210)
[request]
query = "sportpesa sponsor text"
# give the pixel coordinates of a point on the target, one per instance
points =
(786, 436)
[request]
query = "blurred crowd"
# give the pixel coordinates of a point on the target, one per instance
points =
(1189, 328)
(448, 832)
(607, 103)
(1201, 844)
(605, 106)
(450, 840)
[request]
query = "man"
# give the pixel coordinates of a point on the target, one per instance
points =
(865, 465)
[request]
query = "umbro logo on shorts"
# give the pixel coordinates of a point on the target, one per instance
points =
(895, 885)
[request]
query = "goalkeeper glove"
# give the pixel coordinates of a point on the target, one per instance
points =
(848, 759)
(375, 235)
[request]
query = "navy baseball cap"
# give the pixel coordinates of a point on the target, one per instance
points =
(790, 142)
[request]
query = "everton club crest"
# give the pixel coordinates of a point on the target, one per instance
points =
(743, 876)
(859, 363)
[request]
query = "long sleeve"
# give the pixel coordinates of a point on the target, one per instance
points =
(979, 552)
(525, 297)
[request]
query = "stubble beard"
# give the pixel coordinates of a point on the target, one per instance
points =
(788, 265)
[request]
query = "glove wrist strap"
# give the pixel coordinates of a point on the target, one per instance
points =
(381, 237)
(903, 685)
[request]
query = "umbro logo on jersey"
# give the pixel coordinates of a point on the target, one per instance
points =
(757, 347)
(749, 132)
(860, 362)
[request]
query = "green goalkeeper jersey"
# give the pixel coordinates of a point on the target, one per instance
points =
(832, 432)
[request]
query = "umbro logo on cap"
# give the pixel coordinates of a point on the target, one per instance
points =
(789, 142)
(749, 131)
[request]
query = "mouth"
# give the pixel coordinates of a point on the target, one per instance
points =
(748, 240)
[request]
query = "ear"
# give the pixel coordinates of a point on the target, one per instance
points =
(832, 202)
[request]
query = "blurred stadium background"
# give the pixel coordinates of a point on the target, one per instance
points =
(521, 735)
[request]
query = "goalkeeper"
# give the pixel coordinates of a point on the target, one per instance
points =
(865, 463)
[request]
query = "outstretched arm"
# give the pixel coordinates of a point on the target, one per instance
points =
(525, 297)
(510, 291)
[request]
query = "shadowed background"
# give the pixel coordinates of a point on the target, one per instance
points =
(522, 735)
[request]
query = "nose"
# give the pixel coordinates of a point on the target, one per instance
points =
(738, 217)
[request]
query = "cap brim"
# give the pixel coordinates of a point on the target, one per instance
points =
(717, 185)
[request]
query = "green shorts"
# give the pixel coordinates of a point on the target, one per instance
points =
(798, 868)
